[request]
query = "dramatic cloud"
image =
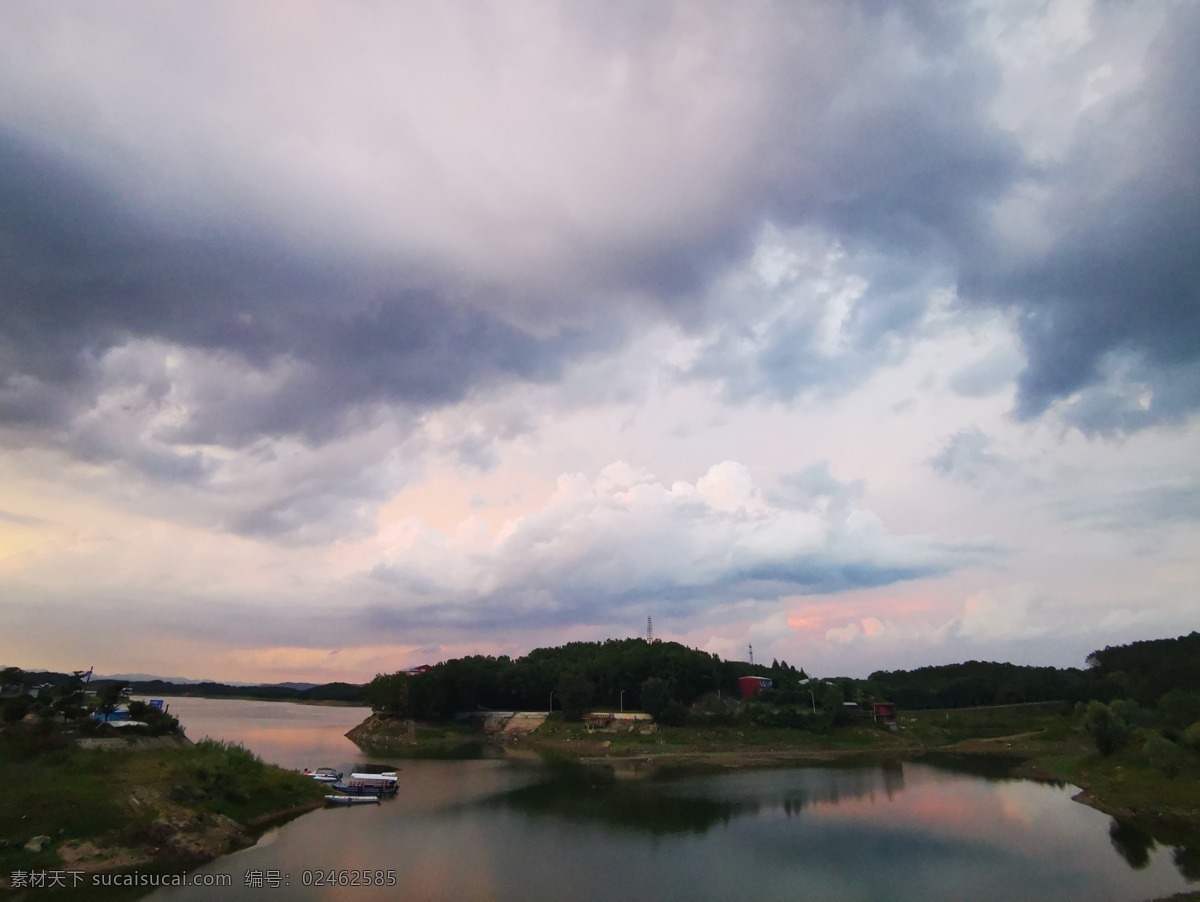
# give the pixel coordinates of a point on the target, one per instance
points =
(339, 289)
(1104, 268)
(604, 550)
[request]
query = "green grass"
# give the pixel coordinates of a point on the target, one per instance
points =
(63, 795)
(721, 739)
(948, 726)
(80, 794)
(226, 778)
(1127, 780)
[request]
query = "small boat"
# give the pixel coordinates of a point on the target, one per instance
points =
(352, 800)
(323, 774)
(384, 784)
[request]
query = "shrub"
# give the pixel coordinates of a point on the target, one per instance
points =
(1191, 737)
(673, 714)
(15, 709)
(1108, 730)
(1163, 754)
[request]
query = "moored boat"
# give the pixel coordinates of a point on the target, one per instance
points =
(323, 774)
(352, 800)
(385, 784)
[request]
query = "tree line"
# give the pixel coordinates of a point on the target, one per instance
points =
(342, 692)
(1142, 671)
(630, 673)
(668, 679)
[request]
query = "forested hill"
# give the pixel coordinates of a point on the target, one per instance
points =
(571, 677)
(344, 692)
(979, 683)
(1143, 671)
(341, 692)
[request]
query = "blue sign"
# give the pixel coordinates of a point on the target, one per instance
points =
(156, 703)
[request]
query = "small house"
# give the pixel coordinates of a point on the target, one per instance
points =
(753, 686)
(884, 713)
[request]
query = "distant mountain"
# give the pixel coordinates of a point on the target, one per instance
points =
(184, 681)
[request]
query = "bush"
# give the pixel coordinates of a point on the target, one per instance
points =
(655, 695)
(1163, 754)
(157, 722)
(15, 709)
(1191, 737)
(1108, 730)
(1179, 708)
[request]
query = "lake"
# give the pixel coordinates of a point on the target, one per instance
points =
(518, 829)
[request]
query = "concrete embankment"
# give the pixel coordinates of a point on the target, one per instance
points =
(400, 735)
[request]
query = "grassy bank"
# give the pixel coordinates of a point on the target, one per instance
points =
(111, 808)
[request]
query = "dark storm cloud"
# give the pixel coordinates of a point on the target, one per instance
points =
(1111, 308)
(871, 125)
(868, 125)
(83, 272)
(902, 161)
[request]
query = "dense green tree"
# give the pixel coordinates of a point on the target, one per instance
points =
(575, 692)
(1179, 708)
(108, 698)
(1108, 730)
(655, 695)
(1152, 668)
(388, 694)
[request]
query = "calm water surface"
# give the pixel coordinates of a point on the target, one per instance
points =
(501, 829)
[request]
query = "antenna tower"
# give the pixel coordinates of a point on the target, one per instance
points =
(751, 655)
(649, 629)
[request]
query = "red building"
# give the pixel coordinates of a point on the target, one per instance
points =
(752, 686)
(884, 713)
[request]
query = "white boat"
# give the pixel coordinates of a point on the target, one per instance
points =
(352, 800)
(323, 774)
(384, 784)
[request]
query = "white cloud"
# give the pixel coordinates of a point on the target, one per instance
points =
(625, 540)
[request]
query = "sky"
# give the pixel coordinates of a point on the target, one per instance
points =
(337, 338)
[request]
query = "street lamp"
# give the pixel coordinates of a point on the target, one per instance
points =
(551, 711)
(622, 700)
(814, 698)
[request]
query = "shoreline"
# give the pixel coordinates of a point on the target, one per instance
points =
(1041, 745)
(317, 702)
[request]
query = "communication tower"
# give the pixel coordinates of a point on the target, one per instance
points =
(649, 629)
